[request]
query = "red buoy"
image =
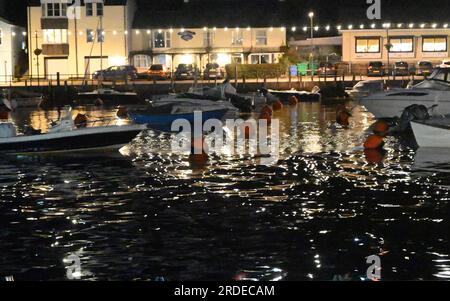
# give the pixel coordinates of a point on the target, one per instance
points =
(266, 116)
(374, 156)
(293, 100)
(381, 128)
(374, 142)
(277, 105)
(267, 109)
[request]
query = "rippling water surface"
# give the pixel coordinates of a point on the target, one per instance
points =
(149, 214)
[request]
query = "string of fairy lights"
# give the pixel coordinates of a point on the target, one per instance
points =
(292, 29)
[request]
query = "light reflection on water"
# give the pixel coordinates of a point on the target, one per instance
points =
(317, 214)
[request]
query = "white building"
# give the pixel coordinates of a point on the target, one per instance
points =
(12, 42)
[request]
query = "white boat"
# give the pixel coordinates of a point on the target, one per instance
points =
(105, 96)
(433, 91)
(365, 88)
(20, 99)
(434, 132)
(65, 136)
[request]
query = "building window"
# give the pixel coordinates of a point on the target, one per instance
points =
(55, 36)
(54, 10)
(261, 37)
(208, 39)
(90, 36)
(89, 9)
(237, 37)
(99, 9)
(434, 44)
(400, 44)
(162, 39)
(260, 58)
(141, 61)
(100, 36)
(368, 45)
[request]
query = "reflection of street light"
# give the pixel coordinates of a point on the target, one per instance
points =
(311, 57)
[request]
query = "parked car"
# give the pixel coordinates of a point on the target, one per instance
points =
(117, 73)
(186, 71)
(326, 69)
(213, 71)
(401, 69)
(376, 69)
(156, 72)
(424, 68)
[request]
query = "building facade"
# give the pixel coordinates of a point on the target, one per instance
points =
(79, 39)
(406, 44)
(12, 46)
(200, 46)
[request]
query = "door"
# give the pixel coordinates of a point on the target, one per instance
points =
(55, 65)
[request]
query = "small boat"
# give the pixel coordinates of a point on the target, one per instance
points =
(66, 137)
(161, 118)
(434, 132)
(20, 99)
(107, 97)
(284, 95)
(434, 90)
(365, 88)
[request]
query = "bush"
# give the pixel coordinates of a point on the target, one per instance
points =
(255, 70)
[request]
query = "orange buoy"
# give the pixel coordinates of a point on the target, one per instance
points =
(248, 129)
(267, 109)
(374, 156)
(266, 116)
(293, 100)
(277, 105)
(199, 159)
(374, 142)
(4, 115)
(381, 128)
(122, 112)
(80, 121)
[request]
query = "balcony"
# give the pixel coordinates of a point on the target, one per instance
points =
(55, 49)
(50, 23)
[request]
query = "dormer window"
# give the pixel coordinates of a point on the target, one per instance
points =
(54, 9)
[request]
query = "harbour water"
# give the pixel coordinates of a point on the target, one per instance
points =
(148, 214)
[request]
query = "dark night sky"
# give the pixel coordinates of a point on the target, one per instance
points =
(342, 11)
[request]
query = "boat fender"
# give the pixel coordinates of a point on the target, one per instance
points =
(266, 116)
(277, 105)
(122, 112)
(374, 142)
(267, 109)
(381, 128)
(80, 121)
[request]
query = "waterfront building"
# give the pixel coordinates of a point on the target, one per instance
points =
(202, 32)
(80, 39)
(408, 42)
(12, 49)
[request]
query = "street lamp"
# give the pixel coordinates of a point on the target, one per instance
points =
(311, 57)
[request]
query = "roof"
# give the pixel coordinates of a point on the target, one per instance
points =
(212, 13)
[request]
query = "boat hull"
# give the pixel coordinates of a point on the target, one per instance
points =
(106, 99)
(163, 122)
(72, 141)
(431, 136)
(386, 106)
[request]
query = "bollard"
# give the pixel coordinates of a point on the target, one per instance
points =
(58, 79)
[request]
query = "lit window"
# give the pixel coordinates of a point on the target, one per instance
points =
(434, 44)
(54, 10)
(100, 36)
(402, 44)
(237, 37)
(55, 36)
(89, 36)
(162, 39)
(261, 37)
(367, 45)
(141, 61)
(260, 59)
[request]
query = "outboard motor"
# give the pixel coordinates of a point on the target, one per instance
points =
(413, 112)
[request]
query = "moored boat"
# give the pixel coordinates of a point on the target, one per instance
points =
(66, 137)
(434, 132)
(107, 97)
